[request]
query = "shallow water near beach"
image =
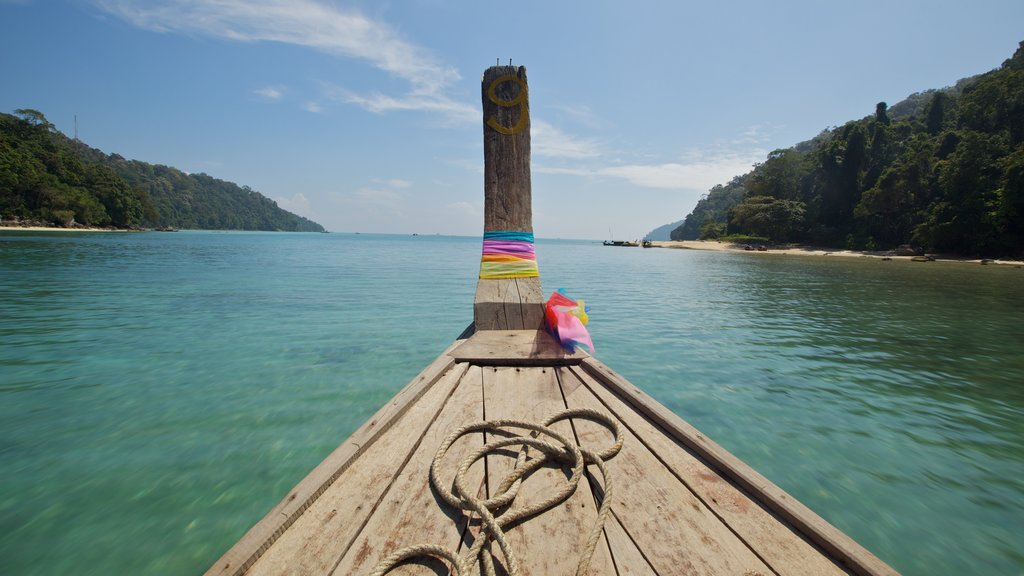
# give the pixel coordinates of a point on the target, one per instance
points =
(160, 392)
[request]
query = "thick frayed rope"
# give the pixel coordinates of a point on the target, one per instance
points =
(562, 451)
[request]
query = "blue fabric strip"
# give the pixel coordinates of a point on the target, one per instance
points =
(509, 235)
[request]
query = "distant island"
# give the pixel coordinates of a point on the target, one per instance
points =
(663, 232)
(942, 171)
(50, 179)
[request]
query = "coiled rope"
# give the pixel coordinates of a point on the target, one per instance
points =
(560, 450)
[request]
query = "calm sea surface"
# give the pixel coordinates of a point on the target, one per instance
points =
(160, 392)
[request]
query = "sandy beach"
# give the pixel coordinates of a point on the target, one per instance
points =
(17, 228)
(812, 251)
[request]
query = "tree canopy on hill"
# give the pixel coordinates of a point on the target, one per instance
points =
(945, 174)
(46, 176)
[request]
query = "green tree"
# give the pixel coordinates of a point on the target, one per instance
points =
(714, 206)
(34, 118)
(935, 113)
(778, 219)
(882, 113)
(780, 176)
(966, 218)
(1010, 198)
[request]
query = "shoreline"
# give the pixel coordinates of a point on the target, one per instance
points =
(19, 228)
(796, 250)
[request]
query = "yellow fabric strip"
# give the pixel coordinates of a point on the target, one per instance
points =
(503, 258)
(509, 269)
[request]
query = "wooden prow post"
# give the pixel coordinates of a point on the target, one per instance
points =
(507, 303)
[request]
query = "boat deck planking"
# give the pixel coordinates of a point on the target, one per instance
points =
(677, 509)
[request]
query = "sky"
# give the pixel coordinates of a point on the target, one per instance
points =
(365, 116)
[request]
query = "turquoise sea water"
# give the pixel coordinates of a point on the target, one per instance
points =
(160, 392)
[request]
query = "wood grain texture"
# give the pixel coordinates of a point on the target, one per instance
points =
(508, 304)
(507, 187)
(844, 550)
(775, 542)
(675, 530)
(548, 544)
(410, 514)
(513, 303)
(515, 348)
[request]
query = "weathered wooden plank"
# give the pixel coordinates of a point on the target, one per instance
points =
(506, 124)
(676, 532)
(844, 550)
(260, 537)
(531, 297)
(489, 305)
(325, 531)
(410, 513)
(548, 544)
(784, 550)
(515, 348)
(626, 556)
(508, 304)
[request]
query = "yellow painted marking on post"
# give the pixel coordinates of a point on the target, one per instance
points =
(519, 100)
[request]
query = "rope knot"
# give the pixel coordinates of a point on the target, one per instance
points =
(496, 513)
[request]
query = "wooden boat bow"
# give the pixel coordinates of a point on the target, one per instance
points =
(683, 504)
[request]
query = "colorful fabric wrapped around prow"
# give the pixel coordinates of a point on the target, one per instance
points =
(566, 319)
(508, 254)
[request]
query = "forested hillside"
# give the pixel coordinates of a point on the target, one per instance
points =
(943, 170)
(46, 176)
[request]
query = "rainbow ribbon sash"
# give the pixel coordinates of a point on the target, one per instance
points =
(508, 254)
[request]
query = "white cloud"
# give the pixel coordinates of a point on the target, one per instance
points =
(270, 93)
(696, 171)
(341, 32)
(454, 111)
(382, 199)
(312, 107)
(551, 142)
(393, 182)
(297, 204)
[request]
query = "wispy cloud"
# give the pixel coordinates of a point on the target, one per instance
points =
(757, 134)
(297, 204)
(551, 142)
(269, 93)
(340, 32)
(383, 198)
(393, 183)
(312, 107)
(695, 170)
(693, 174)
(452, 110)
(579, 113)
